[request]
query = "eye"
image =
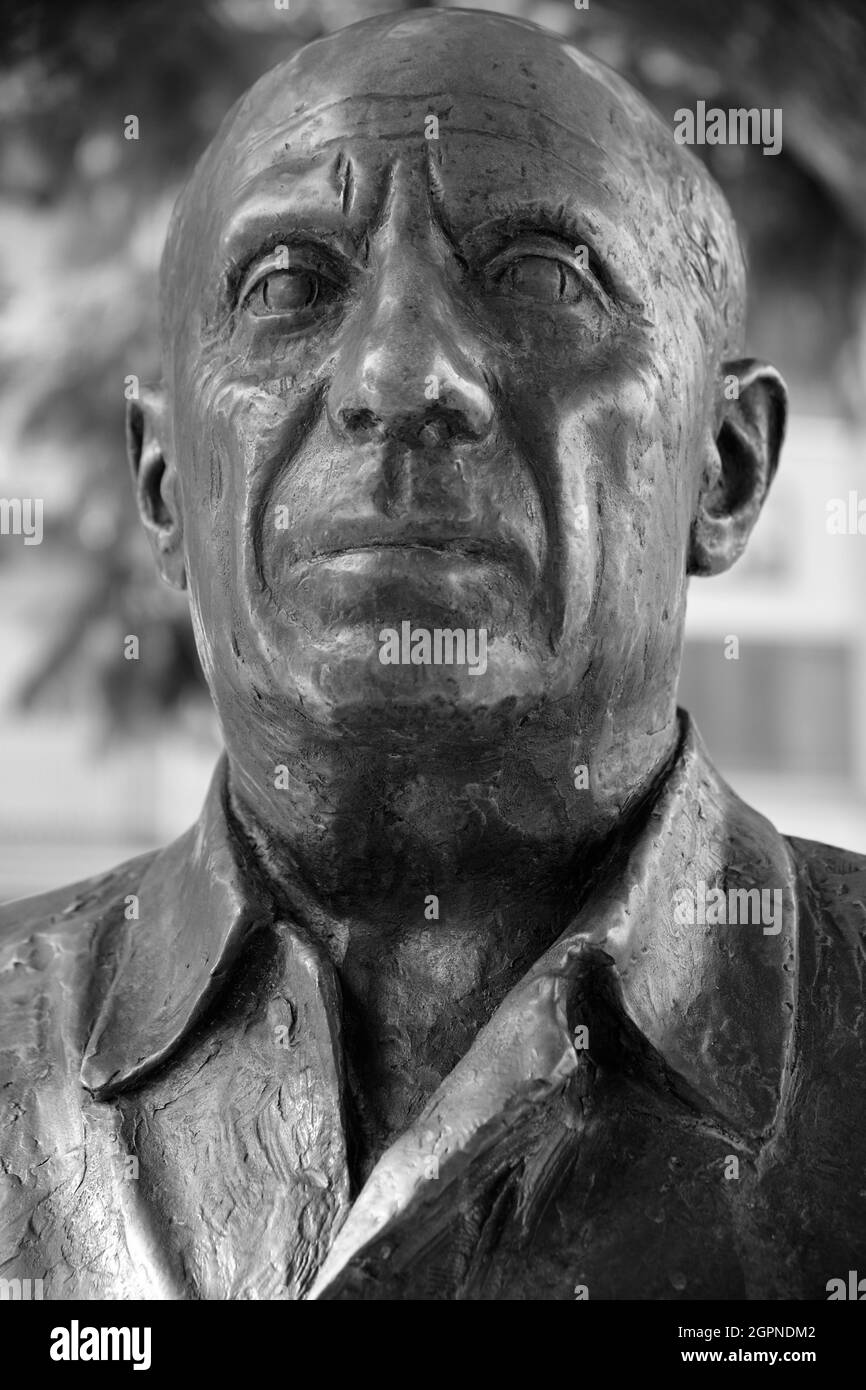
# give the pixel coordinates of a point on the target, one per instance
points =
(282, 292)
(544, 278)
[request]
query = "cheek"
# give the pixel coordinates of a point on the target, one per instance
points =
(233, 439)
(647, 433)
(630, 449)
(237, 432)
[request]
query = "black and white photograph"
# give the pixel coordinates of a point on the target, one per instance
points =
(433, 737)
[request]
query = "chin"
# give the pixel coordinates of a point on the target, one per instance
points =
(473, 701)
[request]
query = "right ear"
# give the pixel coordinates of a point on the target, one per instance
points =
(157, 492)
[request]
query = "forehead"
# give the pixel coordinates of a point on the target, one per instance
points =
(520, 114)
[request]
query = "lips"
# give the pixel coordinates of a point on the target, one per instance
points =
(418, 546)
(449, 545)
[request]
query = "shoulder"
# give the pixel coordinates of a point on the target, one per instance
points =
(67, 911)
(51, 962)
(50, 956)
(834, 881)
(831, 902)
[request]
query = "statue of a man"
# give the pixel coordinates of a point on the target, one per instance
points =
(474, 979)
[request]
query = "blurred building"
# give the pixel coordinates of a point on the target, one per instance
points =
(775, 663)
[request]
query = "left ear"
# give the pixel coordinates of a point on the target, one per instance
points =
(741, 463)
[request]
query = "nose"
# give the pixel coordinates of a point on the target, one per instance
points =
(410, 369)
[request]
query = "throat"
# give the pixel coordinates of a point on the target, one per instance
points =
(411, 1011)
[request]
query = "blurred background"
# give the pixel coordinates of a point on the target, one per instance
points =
(103, 757)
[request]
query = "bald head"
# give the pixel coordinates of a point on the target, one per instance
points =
(506, 93)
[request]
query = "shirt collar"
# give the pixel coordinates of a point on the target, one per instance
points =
(714, 1001)
(196, 905)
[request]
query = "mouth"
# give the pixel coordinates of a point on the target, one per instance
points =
(445, 545)
(418, 550)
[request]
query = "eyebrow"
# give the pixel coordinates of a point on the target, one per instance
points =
(270, 220)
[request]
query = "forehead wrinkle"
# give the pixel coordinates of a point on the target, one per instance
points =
(254, 141)
(435, 186)
(311, 170)
(387, 193)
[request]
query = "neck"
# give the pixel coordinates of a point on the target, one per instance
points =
(434, 879)
(364, 838)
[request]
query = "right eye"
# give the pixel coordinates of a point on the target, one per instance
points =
(288, 283)
(282, 292)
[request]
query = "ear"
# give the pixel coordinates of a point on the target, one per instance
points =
(156, 483)
(741, 462)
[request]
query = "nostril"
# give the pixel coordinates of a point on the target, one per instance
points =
(360, 422)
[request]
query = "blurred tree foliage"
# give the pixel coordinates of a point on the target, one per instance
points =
(85, 211)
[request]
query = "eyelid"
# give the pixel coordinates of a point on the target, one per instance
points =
(553, 250)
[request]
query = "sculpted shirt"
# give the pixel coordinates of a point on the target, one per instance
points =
(670, 1104)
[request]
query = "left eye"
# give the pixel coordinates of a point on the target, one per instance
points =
(542, 277)
(283, 292)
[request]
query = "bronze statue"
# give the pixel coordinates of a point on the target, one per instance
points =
(474, 979)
